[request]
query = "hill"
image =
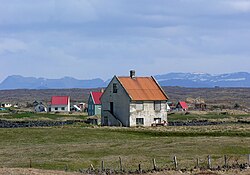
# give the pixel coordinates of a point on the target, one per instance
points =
(212, 96)
(239, 79)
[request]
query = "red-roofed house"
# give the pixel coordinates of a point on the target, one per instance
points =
(133, 101)
(60, 104)
(182, 105)
(94, 103)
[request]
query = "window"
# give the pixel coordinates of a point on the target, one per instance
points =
(139, 106)
(114, 88)
(139, 121)
(62, 108)
(157, 105)
(56, 108)
(157, 120)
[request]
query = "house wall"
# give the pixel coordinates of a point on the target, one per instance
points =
(91, 110)
(121, 104)
(59, 108)
(148, 113)
(98, 109)
(6, 105)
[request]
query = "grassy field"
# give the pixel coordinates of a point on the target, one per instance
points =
(41, 116)
(211, 116)
(77, 146)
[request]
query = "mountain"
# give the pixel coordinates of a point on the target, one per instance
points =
(20, 82)
(239, 79)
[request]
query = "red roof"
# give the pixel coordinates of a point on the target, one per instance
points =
(96, 97)
(60, 100)
(143, 88)
(183, 105)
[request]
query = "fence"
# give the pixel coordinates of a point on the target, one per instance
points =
(212, 163)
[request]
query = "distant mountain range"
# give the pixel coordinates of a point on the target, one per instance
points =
(239, 79)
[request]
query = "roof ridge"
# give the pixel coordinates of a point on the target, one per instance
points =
(135, 77)
(142, 88)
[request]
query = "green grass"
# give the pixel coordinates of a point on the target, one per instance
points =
(78, 147)
(41, 116)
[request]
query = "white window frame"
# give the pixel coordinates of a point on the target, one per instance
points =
(139, 106)
(139, 121)
(157, 106)
(115, 87)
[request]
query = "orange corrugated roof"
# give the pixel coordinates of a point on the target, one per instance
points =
(142, 88)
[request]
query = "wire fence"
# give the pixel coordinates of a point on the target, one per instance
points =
(210, 162)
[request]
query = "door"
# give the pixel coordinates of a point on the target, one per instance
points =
(111, 107)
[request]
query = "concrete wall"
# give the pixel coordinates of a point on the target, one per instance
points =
(148, 113)
(121, 102)
(59, 108)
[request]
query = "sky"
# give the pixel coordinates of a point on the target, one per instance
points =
(87, 39)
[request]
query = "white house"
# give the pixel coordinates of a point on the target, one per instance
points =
(40, 108)
(132, 101)
(60, 104)
(6, 105)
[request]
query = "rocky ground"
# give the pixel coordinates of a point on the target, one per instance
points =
(30, 171)
(35, 123)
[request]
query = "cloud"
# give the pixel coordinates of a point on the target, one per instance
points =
(49, 11)
(10, 45)
(65, 37)
(240, 5)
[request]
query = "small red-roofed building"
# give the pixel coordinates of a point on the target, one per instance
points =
(94, 103)
(182, 106)
(60, 104)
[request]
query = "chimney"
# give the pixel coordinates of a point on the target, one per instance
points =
(132, 74)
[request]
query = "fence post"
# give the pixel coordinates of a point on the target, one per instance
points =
(225, 161)
(248, 159)
(102, 166)
(30, 163)
(208, 162)
(175, 163)
(92, 167)
(140, 171)
(154, 164)
(197, 163)
(120, 162)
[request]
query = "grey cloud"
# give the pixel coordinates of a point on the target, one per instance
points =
(36, 11)
(65, 37)
(10, 45)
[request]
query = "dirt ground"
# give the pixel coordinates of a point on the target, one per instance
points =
(30, 171)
